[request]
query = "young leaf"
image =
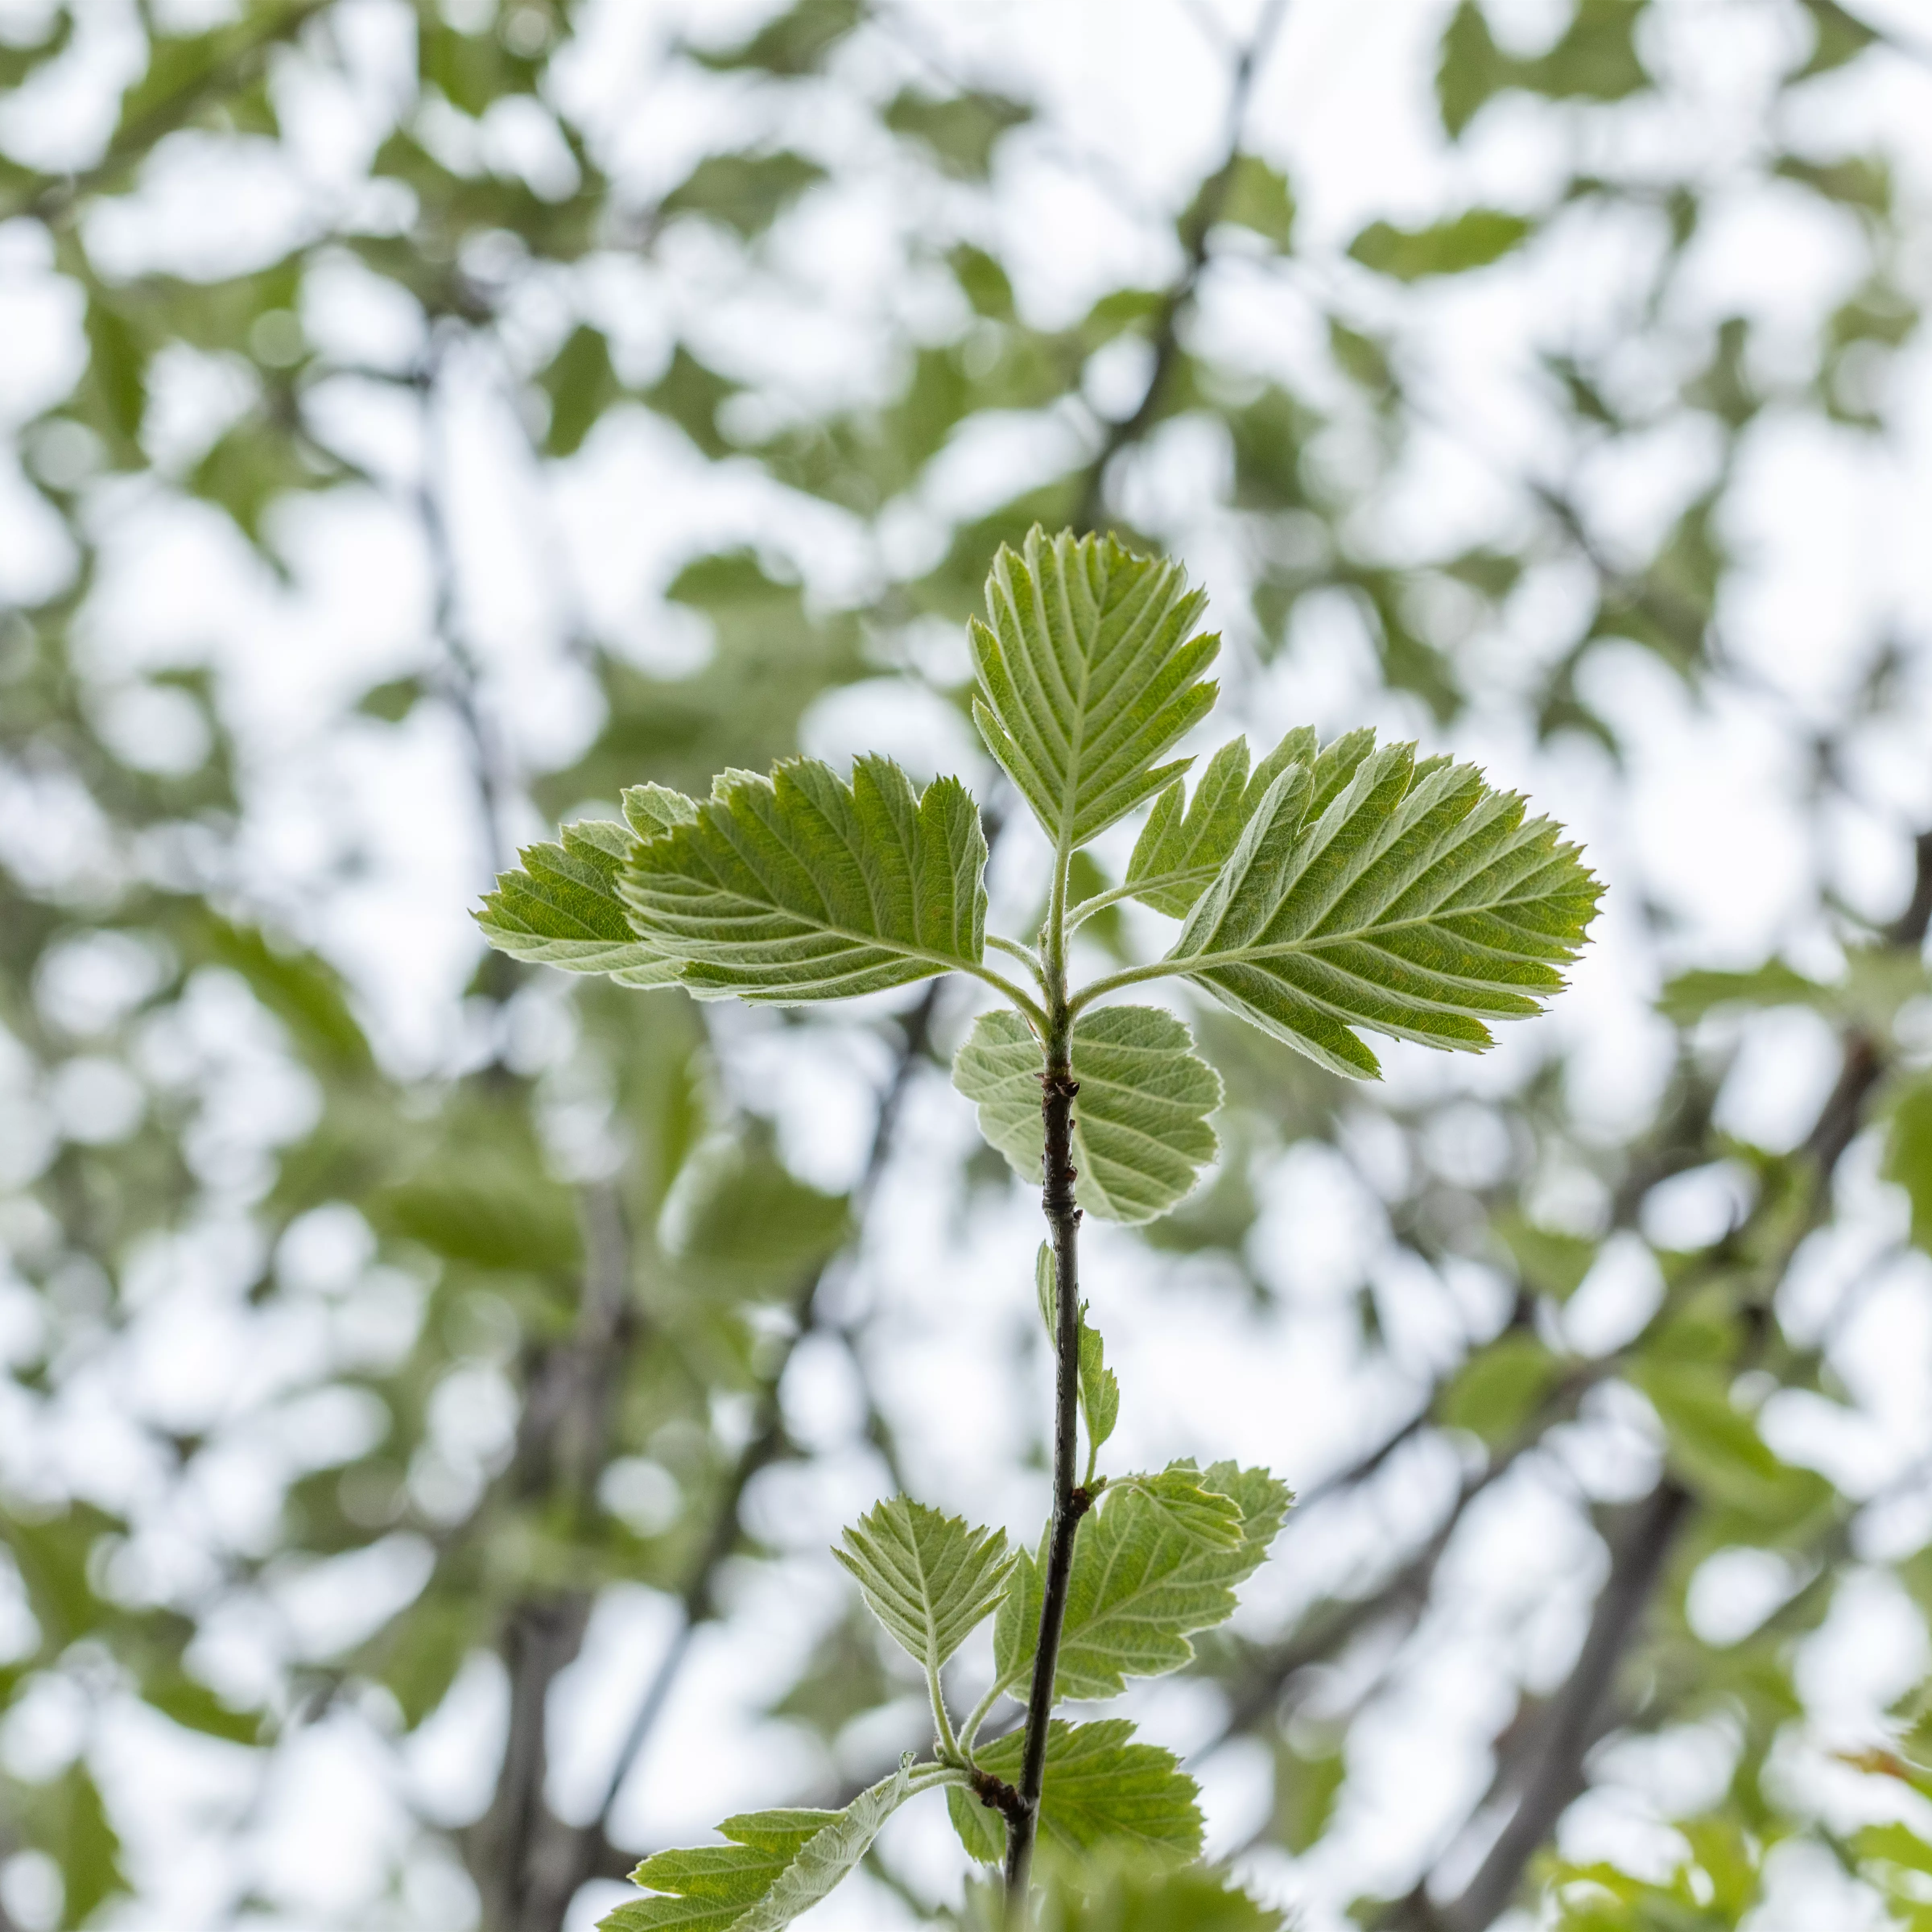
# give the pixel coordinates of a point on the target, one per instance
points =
(563, 909)
(1099, 1388)
(929, 1579)
(801, 887)
(1140, 1136)
(1205, 1515)
(1141, 1582)
(776, 1865)
(1090, 672)
(1179, 852)
(1102, 1789)
(650, 809)
(981, 1829)
(1417, 904)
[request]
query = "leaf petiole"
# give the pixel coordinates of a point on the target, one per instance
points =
(1022, 952)
(949, 1745)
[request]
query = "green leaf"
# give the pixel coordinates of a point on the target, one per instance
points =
(796, 42)
(746, 192)
(1255, 196)
(581, 385)
(1715, 1449)
(740, 1224)
(1102, 1789)
(776, 1865)
(1099, 1388)
(1690, 996)
(1546, 1262)
(1908, 1155)
(118, 360)
(1470, 70)
(650, 809)
(1140, 1136)
(191, 1704)
(1205, 1515)
(305, 993)
(1180, 850)
(801, 887)
(981, 1829)
(1090, 672)
(563, 909)
(1305, 1788)
(959, 131)
(1473, 240)
(391, 701)
(417, 1658)
(487, 1207)
(931, 1580)
(1840, 36)
(1418, 904)
(1141, 1583)
(66, 1817)
(1500, 1388)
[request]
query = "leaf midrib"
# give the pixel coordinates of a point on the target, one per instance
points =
(1238, 956)
(877, 942)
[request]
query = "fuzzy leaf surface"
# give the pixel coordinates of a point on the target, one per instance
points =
(800, 887)
(1418, 902)
(776, 1865)
(1100, 1387)
(1186, 841)
(1102, 1789)
(931, 1580)
(1204, 1514)
(563, 909)
(1090, 671)
(1140, 1136)
(1142, 1582)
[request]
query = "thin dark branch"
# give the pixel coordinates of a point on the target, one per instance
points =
(236, 68)
(461, 684)
(1208, 205)
(1552, 1773)
(1057, 1090)
(593, 1852)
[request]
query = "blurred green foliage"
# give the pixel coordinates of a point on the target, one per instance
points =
(635, 1310)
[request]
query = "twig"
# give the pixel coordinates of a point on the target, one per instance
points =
(696, 1603)
(1553, 1773)
(1058, 1088)
(54, 197)
(1579, 1713)
(1208, 205)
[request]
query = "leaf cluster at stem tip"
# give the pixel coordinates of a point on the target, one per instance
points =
(1320, 893)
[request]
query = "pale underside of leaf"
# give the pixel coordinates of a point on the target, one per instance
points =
(930, 1579)
(1089, 672)
(1103, 1791)
(1417, 903)
(775, 1865)
(1140, 1135)
(562, 908)
(1206, 1515)
(1100, 1387)
(1141, 1583)
(801, 887)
